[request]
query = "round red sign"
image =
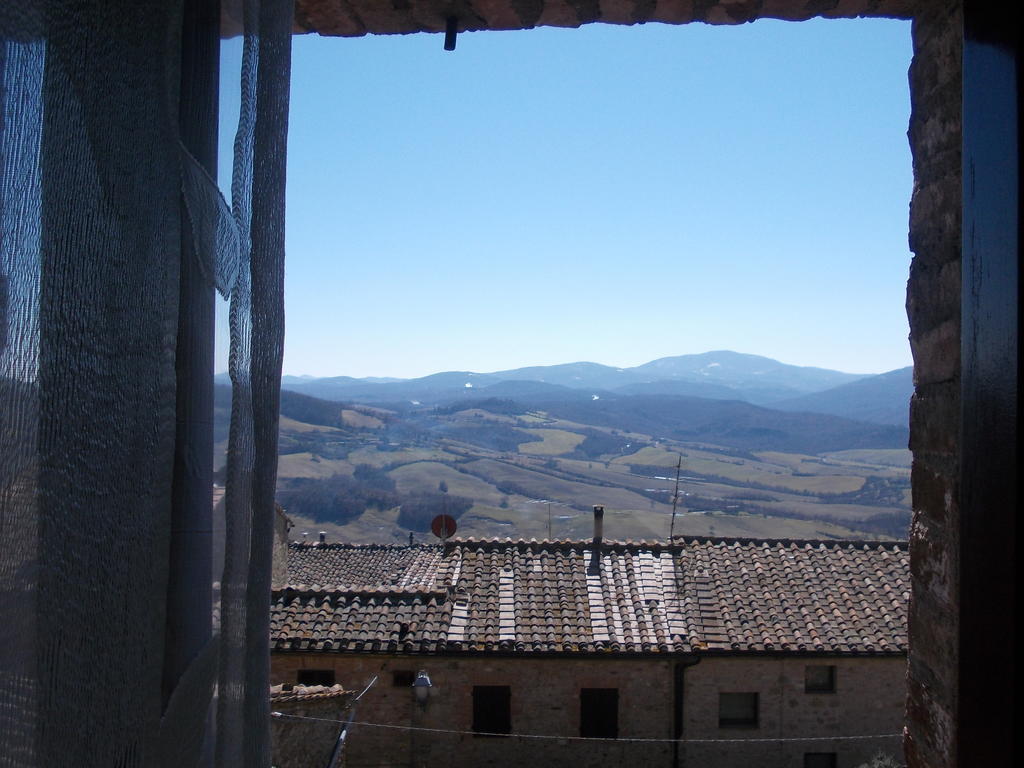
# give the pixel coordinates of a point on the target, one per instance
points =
(443, 526)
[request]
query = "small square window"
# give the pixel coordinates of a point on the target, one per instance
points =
(737, 710)
(402, 678)
(820, 760)
(315, 677)
(819, 679)
(599, 713)
(492, 709)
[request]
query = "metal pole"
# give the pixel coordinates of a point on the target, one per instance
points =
(339, 745)
(675, 501)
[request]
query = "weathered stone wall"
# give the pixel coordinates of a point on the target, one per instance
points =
(868, 702)
(545, 700)
(306, 743)
(933, 306)
(279, 567)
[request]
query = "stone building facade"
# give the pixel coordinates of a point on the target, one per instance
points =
(703, 652)
(306, 743)
(545, 699)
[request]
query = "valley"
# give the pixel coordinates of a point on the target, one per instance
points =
(531, 463)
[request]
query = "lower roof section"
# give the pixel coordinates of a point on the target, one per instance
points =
(568, 597)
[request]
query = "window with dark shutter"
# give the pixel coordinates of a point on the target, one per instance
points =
(492, 709)
(315, 677)
(737, 710)
(820, 760)
(403, 678)
(599, 713)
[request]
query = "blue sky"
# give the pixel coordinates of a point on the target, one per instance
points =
(614, 194)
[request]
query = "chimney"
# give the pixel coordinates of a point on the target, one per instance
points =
(323, 537)
(282, 524)
(410, 539)
(595, 554)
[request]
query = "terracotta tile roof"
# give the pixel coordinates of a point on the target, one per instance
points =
(702, 594)
(283, 693)
(370, 620)
(349, 566)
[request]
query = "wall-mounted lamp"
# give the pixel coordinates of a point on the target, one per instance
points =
(421, 688)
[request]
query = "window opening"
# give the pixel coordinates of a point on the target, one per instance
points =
(599, 713)
(402, 678)
(492, 709)
(315, 677)
(819, 678)
(820, 760)
(374, 473)
(737, 710)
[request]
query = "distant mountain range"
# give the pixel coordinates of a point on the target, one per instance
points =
(882, 399)
(720, 375)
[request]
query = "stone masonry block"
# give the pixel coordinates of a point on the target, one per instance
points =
(934, 419)
(933, 295)
(937, 355)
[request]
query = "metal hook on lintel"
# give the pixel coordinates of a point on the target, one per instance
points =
(451, 31)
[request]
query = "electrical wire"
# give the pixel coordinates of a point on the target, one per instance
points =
(588, 738)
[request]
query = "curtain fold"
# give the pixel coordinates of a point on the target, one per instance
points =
(96, 198)
(257, 345)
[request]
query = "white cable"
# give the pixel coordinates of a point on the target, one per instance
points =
(587, 738)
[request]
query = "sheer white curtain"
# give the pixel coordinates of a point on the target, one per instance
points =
(91, 210)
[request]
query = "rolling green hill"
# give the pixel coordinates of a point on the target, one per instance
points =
(504, 468)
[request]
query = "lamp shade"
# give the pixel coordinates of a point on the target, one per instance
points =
(421, 687)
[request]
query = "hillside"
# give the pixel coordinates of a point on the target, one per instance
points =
(507, 465)
(882, 399)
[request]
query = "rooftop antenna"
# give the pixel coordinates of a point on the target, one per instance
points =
(549, 521)
(675, 501)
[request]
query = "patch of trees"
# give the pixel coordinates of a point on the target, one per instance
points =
(600, 443)
(311, 410)
(339, 498)
(419, 510)
(727, 423)
(291, 444)
(876, 492)
(375, 478)
(323, 445)
(343, 498)
(496, 437)
(653, 470)
(894, 524)
(499, 405)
